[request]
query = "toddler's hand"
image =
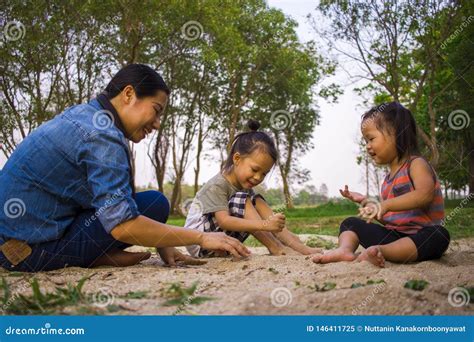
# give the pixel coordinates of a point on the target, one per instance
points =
(353, 196)
(372, 210)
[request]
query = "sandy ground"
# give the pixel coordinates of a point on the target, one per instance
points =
(283, 285)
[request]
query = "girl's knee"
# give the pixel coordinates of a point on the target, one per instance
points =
(350, 223)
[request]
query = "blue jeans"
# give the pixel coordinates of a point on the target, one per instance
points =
(86, 239)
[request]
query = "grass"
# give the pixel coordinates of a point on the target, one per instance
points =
(315, 241)
(326, 218)
(182, 296)
(43, 303)
(416, 284)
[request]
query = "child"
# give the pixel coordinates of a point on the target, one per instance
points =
(412, 207)
(228, 202)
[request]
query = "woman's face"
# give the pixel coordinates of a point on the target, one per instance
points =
(139, 116)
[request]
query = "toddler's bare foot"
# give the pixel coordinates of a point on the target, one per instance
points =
(120, 258)
(372, 255)
(338, 254)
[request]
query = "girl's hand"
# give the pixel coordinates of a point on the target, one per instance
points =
(172, 257)
(353, 196)
(223, 242)
(372, 210)
(275, 223)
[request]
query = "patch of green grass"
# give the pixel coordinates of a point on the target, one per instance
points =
(470, 290)
(327, 286)
(369, 282)
(179, 295)
(176, 221)
(274, 271)
(251, 241)
(40, 303)
(343, 207)
(460, 222)
(416, 284)
(135, 295)
(315, 241)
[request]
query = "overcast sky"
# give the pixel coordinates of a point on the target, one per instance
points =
(333, 160)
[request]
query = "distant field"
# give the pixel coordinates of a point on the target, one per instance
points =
(326, 218)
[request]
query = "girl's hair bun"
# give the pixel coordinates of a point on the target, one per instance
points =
(253, 125)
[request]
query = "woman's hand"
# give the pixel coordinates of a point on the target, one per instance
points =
(172, 257)
(223, 242)
(353, 196)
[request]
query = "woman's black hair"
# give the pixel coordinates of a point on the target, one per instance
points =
(144, 80)
(392, 117)
(247, 142)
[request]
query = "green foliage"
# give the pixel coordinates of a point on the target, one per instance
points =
(327, 286)
(179, 295)
(40, 303)
(135, 295)
(315, 241)
(369, 282)
(416, 284)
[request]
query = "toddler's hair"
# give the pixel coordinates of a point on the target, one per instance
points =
(247, 142)
(395, 119)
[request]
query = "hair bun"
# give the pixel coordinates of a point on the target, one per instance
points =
(253, 125)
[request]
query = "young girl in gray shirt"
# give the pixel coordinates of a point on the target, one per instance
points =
(228, 202)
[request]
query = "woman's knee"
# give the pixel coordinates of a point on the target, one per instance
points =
(153, 204)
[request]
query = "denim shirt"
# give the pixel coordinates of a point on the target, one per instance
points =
(77, 161)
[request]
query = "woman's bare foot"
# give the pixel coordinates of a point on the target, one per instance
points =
(120, 258)
(372, 255)
(338, 254)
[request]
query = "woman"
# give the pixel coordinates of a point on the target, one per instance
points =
(67, 191)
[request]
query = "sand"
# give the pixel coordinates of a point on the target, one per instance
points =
(283, 285)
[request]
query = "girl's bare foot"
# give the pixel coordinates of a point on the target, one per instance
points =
(120, 258)
(338, 254)
(306, 250)
(372, 255)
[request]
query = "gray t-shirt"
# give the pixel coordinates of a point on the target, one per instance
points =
(214, 196)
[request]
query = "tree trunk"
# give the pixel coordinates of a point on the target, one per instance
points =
(198, 159)
(287, 193)
(432, 146)
(471, 172)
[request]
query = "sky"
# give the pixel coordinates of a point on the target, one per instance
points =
(332, 161)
